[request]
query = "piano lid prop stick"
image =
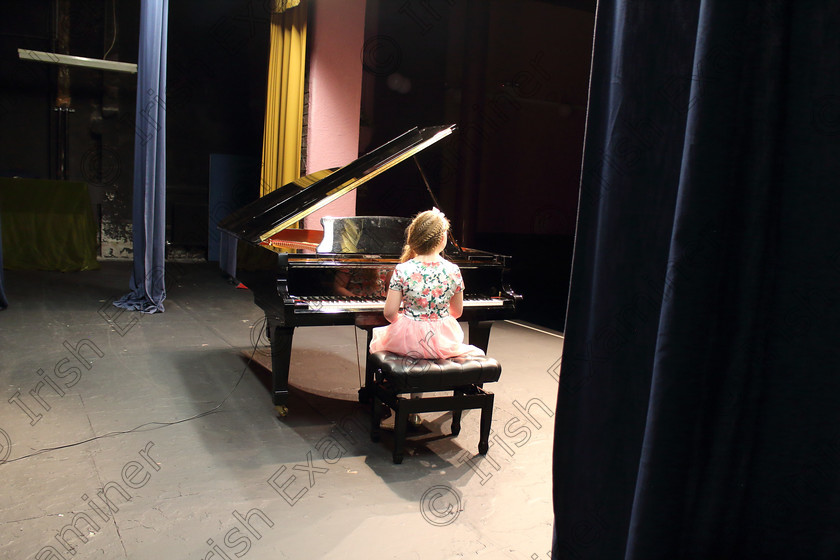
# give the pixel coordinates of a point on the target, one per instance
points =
(434, 199)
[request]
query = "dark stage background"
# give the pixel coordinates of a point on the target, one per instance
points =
(513, 76)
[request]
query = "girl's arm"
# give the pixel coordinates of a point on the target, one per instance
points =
(392, 305)
(340, 283)
(456, 304)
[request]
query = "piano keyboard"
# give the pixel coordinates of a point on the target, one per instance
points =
(334, 304)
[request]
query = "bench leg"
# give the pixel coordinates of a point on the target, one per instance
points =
(456, 415)
(486, 420)
(400, 425)
(375, 417)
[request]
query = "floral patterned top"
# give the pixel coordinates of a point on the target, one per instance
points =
(427, 287)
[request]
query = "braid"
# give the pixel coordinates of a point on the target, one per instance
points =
(432, 234)
(424, 233)
(407, 252)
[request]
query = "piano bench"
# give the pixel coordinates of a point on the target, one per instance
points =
(396, 375)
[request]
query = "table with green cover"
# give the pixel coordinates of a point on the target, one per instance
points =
(47, 225)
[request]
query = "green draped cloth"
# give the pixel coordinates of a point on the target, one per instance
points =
(47, 225)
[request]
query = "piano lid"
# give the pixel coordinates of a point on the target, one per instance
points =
(292, 202)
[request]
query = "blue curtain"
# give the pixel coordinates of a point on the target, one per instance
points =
(697, 411)
(149, 212)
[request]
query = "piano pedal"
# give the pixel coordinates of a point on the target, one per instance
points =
(282, 410)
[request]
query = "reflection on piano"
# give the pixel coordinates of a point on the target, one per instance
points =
(342, 277)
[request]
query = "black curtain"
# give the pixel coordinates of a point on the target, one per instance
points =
(3, 301)
(698, 412)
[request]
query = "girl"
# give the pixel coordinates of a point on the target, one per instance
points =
(431, 292)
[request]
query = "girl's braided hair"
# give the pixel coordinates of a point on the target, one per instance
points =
(424, 233)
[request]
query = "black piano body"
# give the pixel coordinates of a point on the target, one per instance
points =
(341, 276)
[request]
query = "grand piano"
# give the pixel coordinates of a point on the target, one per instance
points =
(340, 275)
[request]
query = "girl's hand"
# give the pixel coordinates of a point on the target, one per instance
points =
(456, 305)
(392, 305)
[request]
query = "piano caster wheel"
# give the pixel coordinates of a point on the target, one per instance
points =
(282, 410)
(398, 458)
(482, 448)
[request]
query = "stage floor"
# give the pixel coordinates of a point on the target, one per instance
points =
(191, 478)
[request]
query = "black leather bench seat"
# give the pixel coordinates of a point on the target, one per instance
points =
(395, 375)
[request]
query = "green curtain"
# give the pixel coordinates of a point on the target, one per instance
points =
(47, 225)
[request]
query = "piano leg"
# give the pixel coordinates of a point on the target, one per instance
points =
(366, 392)
(479, 334)
(281, 355)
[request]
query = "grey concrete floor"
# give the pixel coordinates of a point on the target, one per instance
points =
(136, 468)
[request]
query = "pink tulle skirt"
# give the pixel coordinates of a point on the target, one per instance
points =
(443, 338)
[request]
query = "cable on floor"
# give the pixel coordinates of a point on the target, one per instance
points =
(157, 425)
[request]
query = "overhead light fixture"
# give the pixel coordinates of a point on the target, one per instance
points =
(69, 60)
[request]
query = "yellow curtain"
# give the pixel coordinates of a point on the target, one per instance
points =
(284, 105)
(280, 6)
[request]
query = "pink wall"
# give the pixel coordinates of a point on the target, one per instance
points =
(335, 90)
